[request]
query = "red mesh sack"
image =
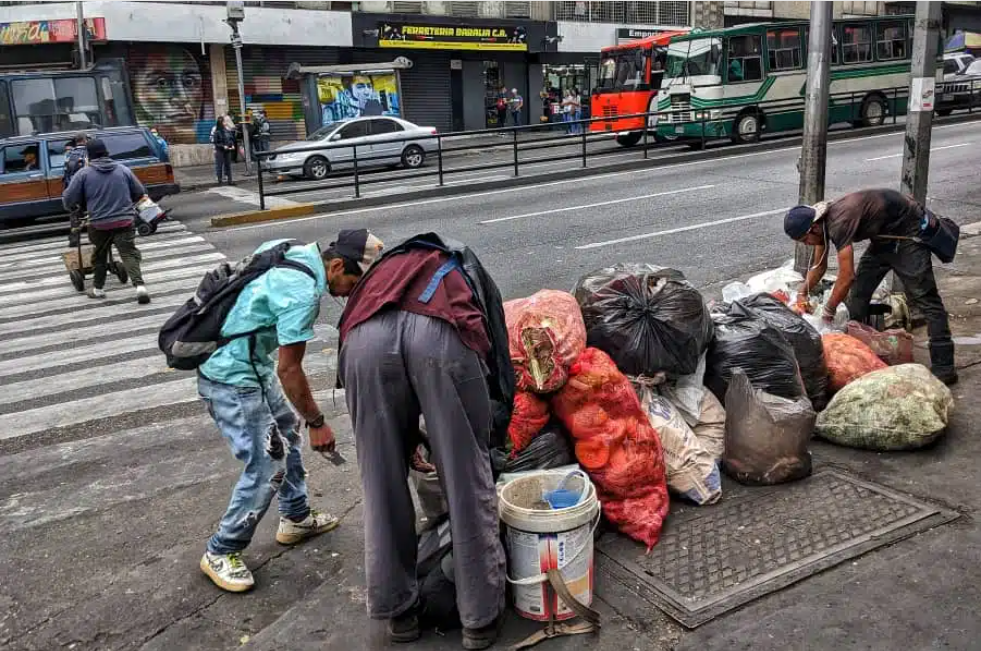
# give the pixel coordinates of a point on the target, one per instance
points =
(529, 417)
(848, 359)
(894, 347)
(546, 333)
(616, 445)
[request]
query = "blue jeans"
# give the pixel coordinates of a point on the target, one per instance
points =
(263, 433)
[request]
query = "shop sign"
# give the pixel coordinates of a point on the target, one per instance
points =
(631, 34)
(452, 37)
(33, 32)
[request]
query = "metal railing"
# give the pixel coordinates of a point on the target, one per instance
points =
(359, 157)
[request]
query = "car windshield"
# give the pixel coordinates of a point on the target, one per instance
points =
(623, 70)
(974, 68)
(326, 130)
(696, 57)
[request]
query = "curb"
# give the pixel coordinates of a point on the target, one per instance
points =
(270, 214)
(709, 153)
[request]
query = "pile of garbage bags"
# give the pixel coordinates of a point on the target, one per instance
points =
(848, 359)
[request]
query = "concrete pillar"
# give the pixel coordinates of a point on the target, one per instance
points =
(219, 80)
(533, 100)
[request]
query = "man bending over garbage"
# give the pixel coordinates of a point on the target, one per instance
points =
(422, 334)
(895, 225)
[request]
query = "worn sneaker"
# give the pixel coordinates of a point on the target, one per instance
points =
(405, 628)
(142, 295)
(228, 571)
(290, 532)
(95, 292)
(485, 636)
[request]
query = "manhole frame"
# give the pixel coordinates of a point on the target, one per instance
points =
(635, 579)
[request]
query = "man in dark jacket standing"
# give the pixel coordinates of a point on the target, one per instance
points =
(108, 191)
(421, 335)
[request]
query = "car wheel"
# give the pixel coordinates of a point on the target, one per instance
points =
(316, 168)
(144, 229)
(629, 139)
(873, 111)
(78, 280)
(747, 128)
(413, 156)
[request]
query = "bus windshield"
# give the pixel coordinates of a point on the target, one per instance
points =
(696, 57)
(624, 69)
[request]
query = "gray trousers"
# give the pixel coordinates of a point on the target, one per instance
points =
(395, 366)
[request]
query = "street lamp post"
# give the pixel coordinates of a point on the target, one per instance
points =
(236, 14)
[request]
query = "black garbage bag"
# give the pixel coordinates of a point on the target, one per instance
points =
(747, 341)
(551, 448)
(805, 340)
(434, 571)
(647, 318)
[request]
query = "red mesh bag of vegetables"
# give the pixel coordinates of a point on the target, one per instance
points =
(616, 445)
(545, 334)
(848, 359)
(529, 417)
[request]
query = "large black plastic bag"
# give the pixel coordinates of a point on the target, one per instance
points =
(647, 318)
(745, 340)
(549, 449)
(805, 340)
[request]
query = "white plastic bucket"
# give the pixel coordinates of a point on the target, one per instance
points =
(540, 538)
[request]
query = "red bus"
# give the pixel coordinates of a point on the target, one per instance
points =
(629, 78)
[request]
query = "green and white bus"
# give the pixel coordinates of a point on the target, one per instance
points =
(743, 81)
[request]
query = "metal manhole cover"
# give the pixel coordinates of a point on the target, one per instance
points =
(714, 559)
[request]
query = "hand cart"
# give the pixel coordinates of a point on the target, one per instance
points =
(149, 216)
(78, 261)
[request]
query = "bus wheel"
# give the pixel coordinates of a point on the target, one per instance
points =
(629, 139)
(747, 128)
(873, 111)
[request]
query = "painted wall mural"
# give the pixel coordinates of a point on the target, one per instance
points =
(172, 91)
(354, 96)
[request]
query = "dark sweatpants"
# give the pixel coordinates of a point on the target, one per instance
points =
(395, 366)
(913, 265)
(125, 240)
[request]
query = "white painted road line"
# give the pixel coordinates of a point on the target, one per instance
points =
(119, 327)
(82, 379)
(595, 205)
(242, 195)
(35, 268)
(682, 229)
(10, 261)
(933, 149)
(61, 241)
(77, 317)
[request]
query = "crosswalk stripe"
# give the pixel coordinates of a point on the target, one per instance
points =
(82, 379)
(22, 423)
(61, 240)
(71, 337)
(58, 266)
(36, 324)
(90, 352)
(39, 257)
(29, 292)
(186, 279)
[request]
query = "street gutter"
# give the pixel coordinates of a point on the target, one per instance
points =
(327, 207)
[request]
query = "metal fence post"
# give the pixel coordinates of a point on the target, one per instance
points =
(895, 104)
(970, 102)
(439, 157)
(703, 128)
(647, 119)
(584, 149)
(514, 144)
(357, 180)
(262, 194)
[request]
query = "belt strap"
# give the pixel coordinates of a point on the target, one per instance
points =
(447, 267)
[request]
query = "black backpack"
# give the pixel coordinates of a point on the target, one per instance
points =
(193, 333)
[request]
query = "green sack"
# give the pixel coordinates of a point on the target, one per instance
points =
(897, 408)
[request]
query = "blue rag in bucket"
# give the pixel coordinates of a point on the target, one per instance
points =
(562, 498)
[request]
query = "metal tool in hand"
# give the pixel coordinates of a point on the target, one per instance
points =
(333, 456)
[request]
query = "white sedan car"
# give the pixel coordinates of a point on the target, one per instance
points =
(379, 141)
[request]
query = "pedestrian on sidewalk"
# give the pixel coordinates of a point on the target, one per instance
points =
(423, 334)
(567, 112)
(577, 109)
(244, 393)
(517, 102)
(893, 223)
(164, 147)
(502, 107)
(223, 139)
(261, 130)
(108, 191)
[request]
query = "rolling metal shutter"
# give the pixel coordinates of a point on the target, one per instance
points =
(264, 70)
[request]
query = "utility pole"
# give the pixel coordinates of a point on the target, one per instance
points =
(814, 146)
(922, 92)
(236, 14)
(80, 27)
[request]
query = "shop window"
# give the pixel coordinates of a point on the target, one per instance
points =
(6, 123)
(890, 41)
(784, 49)
(856, 43)
(61, 104)
(745, 58)
(21, 158)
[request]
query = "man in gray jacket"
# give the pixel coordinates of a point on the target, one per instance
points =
(108, 191)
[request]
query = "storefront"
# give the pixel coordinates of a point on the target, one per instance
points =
(459, 67)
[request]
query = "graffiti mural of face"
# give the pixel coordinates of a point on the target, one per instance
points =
(362, 90)
(169, 91)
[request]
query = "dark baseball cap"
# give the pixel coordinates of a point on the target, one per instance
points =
(97, 148)
(358, 245)
(798, 221)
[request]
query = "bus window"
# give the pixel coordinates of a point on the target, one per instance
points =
(624, 70)
(890, 41)
(59, 104)
(607, 72)
(6, 123)
(695, 57)
(745, 58)
(834, 45)
(783, 47)
(856, 43)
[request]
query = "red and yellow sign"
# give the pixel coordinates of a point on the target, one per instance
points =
(452, 37)
(35, 32)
